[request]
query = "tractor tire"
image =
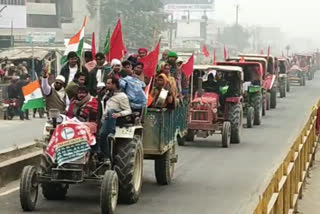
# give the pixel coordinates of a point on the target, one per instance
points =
(268, 96)
(250, 117)
(181, 140)
(310, 75)
(29, 188)
(257, 102)
(264, 106)
(5, 115)
(282, 90)
(273, 100)
(164, 167)
(109, 192)
(54, 191)
(235, 116)
(190, 135)
(226, 134)
(128, 163)
(288, 86)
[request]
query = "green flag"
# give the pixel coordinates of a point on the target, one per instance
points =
(107, 42)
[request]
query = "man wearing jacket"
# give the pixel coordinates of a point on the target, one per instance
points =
(72, 68)
(98, 74)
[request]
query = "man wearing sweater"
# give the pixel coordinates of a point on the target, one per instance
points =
(116, 105)
(55, 94)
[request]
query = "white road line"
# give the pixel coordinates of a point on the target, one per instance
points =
(9, 191)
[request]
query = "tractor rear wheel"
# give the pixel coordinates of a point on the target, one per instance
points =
(268, 97)
(250, 117)
(257, 102)
(283, 90)
(128, 163)
(235, 116)
(273, 101)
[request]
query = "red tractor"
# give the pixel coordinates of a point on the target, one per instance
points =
(269, 80)
(254, 98)
(216, 105)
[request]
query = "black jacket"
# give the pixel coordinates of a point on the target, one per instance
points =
(92, 83)
(65, 71)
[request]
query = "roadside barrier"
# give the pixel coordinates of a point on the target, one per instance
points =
(285, 188)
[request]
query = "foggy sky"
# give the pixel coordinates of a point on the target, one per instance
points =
(297, 18)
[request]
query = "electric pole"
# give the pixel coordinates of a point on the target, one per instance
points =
(237, 14)
(98, 24)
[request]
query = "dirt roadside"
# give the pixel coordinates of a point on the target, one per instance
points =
(310, 203)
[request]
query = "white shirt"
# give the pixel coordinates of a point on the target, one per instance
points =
(99, 76)
(73, 72)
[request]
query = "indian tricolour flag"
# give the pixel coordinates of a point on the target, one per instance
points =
(75, 44)
(33, 96)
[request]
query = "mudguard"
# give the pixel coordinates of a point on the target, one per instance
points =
(269, 82)
(126, 132)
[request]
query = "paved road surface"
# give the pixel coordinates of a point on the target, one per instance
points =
(17, 132)
(208, 179)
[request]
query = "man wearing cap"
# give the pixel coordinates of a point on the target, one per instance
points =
(115, 68)
(98, 74)
(55, 94)
(70, 70)
(142, 52)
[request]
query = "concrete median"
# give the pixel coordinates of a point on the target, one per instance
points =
(13, 160)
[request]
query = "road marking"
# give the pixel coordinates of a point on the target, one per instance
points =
(9, 191)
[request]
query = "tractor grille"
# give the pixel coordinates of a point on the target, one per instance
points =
(199, 115)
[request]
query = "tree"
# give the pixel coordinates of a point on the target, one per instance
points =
(139, 19)
(235, 36)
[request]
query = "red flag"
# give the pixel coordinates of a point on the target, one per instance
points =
(242, 59)
(150, 62)
(225, 54)
(205, 51)
(117, 47)
(93, 46)
(187, 68)
(214, 57)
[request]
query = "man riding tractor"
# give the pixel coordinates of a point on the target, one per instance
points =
(254, 93)
(71, 156)
(216, 105)
(268, 80)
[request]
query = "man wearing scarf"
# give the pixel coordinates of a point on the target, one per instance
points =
(55, 95)
(84, 107)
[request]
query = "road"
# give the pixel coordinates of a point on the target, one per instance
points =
(16, 132)
(208, 179)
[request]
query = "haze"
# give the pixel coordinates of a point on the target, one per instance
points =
(295, 18)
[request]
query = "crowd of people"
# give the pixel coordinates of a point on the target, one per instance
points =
(100, 91)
